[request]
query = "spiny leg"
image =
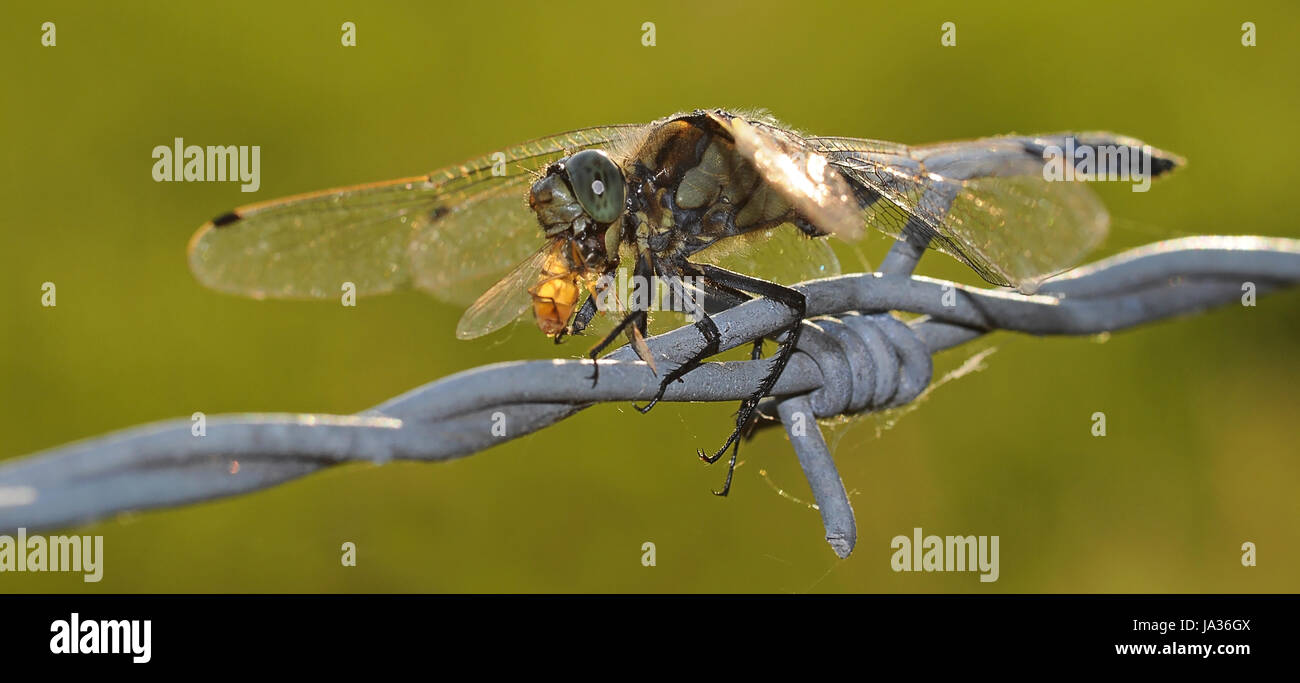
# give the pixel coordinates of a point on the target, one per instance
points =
(755, 353)
(580, 319)
(790, 298)
(692, 300)
(731, 469)
(749, 405)
(637, 318)
(712, 338)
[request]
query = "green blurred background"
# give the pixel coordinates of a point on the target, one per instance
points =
(1201, 452)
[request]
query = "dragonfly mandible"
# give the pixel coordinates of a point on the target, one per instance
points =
(559, 215)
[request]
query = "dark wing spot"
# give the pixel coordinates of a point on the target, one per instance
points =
(1162, 165)
(225, 219)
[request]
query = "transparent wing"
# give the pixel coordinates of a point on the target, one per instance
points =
(985, 202)
(506, 300)
(446, 232)
(458, 255)
(782, 254)
(800, 173)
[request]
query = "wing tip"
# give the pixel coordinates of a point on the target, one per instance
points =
(466, 333)
(1163, 162)
(221, 221)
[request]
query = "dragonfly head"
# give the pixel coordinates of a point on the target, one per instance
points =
(583, 193)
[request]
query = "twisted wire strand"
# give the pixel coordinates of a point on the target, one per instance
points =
(853, 357)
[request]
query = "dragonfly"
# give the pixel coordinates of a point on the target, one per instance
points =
(560, 215)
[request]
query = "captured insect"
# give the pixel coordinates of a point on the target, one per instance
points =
(659, 196)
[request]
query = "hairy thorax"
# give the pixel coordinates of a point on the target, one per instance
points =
(690, 187)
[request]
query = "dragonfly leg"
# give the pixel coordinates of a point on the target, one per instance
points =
(755, 353)
(580, 319)
(635, 318)
(712, 338)
(718, 294)
(796, 302)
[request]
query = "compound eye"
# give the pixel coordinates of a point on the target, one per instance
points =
(598, 184)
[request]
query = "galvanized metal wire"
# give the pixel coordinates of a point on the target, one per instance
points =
(854, 356)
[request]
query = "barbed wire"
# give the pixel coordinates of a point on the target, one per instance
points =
(853, 357)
